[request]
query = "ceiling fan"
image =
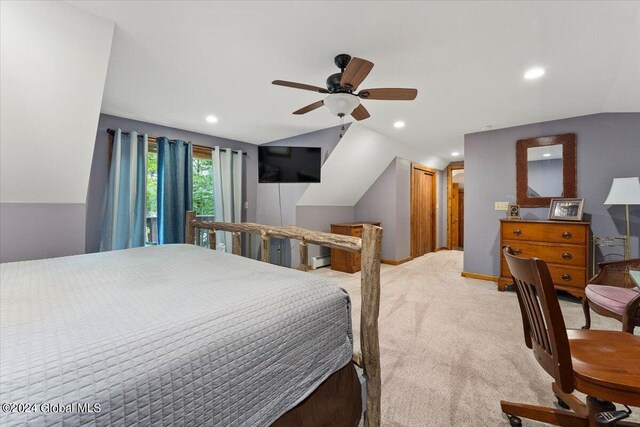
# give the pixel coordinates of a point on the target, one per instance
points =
(341, 88)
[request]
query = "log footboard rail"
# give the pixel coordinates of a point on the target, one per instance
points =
(369, 246)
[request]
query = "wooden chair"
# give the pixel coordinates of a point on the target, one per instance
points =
(612, 293)
(545, 333)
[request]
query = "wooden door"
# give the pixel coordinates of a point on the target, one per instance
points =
(455, 202)
(455, 215)
(461, 218)
(423, 210)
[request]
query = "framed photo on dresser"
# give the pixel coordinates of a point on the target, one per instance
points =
(566, 209)
(514, 211)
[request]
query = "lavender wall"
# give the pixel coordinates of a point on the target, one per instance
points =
(98, 180)
(608, 147)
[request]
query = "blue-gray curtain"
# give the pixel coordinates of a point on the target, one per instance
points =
(175, 188)
(124, 223)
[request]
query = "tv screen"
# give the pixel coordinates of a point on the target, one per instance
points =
(289, 164)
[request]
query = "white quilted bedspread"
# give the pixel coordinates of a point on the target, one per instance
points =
(164, 335)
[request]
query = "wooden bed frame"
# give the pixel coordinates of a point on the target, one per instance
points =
(369, 246)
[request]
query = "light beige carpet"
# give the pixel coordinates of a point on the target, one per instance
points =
(452, 347)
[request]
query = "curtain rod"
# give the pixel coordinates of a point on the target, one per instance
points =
(112, 132)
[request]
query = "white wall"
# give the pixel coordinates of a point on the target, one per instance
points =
(355, 164)
(54, 64)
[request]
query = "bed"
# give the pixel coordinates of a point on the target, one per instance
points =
(173, 334)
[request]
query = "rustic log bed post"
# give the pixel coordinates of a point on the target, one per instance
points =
(369, 246)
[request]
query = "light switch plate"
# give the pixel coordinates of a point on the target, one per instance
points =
(502, 206)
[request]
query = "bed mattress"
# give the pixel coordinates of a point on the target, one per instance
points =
(164, 335)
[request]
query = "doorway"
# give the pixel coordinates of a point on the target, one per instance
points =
(455, 206)
(423, 210)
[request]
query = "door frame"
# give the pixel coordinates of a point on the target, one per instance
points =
(434, 215)
(452, 166)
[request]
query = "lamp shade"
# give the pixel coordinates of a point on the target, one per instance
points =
(624, 191)
(341, 104)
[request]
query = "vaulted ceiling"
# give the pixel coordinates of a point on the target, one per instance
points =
(174, 63)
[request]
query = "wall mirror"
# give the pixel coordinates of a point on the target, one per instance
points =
(545, 169)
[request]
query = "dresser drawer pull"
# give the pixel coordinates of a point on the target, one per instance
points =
(516, 251)
(567, 256)
(566, 277)
(567, 235)
(517, 232)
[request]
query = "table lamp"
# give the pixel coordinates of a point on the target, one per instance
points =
(625, 191)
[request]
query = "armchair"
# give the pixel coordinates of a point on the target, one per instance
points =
(612, 293)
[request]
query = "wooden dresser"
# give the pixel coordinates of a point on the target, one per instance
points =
(563, 245)
(348, 262)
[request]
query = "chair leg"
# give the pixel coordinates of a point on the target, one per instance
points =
(546, 415)
(587, 313)
(570, 401)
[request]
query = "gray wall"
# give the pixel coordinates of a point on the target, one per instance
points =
(608, 147)
(388, 201)
(41, 230)
(379, 203)
(403, 209)
(320, 218)
(98, 180)
(277, 203)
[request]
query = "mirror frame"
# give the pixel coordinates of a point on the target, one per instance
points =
(569, 170)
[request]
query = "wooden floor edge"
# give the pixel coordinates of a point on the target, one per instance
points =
(479, 276)
(396, 261)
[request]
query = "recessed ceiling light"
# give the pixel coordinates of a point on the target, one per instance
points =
(534, 73)
(455, 154)
(399, 124)
(212, 119)
(546, 155)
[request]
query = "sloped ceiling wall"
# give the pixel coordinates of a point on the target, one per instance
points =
(53, 70)
(54, 66)
(355, 164)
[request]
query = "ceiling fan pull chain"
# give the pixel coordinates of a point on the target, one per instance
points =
(342, 126)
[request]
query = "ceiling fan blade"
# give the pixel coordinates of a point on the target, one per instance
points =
(299, 86)
(360, 113)
(309, 107)
(389, 94)
(357, 70)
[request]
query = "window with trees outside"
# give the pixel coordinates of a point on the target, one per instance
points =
(202, 189)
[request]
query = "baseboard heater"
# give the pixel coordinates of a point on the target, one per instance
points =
(320, 261)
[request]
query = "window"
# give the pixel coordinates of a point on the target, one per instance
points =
(202, 189)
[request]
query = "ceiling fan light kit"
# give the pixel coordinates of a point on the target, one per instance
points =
(341, 86)
(341, 104)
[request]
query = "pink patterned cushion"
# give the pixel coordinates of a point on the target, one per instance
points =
(611, 297)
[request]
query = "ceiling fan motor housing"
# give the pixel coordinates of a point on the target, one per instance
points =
(333, 83)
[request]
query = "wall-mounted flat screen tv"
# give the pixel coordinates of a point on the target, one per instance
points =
(289, 164)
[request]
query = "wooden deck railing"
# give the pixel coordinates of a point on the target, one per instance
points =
(369, 246)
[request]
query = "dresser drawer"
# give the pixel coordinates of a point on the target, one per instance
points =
(562, 275)
(545, 232)
(552, 254)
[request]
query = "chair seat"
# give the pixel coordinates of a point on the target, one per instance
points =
(612, 298)
(606, 359)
